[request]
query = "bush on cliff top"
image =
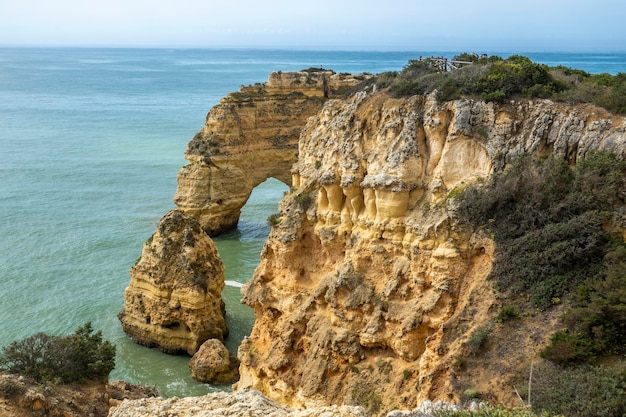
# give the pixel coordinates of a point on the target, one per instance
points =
(492, 79)
(81, 356)
(496, 79)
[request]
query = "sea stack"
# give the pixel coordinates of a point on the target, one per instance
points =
(174, 299)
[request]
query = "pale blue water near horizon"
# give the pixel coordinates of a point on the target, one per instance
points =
(91, 141)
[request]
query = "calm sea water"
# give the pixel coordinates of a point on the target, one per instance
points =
(90, 144)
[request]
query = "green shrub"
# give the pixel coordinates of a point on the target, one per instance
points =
(77, 357)
(274, 219)
(478, 339)
(513, 76)
(569, 348)
(415, 78)
(582, 391)
(303, 200)
(547, 220)
(495, 79)
(508, 312)
(489, 411)
(596, 323)
(611, 91)
(367, 397)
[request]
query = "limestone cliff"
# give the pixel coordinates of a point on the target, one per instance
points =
(174, 299)
(250, 136)
(369, 289)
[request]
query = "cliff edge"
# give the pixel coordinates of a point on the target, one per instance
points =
(369, 290)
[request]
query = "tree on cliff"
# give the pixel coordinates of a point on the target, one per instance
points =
(77, 357)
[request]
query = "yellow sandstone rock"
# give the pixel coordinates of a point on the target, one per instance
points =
(368, 294)
(174, 299)
(250, 136)
(369, 287)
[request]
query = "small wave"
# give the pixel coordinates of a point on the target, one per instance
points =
(233, 283)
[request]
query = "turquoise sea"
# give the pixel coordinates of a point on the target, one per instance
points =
(90, 144)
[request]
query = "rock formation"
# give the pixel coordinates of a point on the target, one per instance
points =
(213, 363)
(174, 299)
(369, 289)
(23, 397)
(245, 403)
(250, 136)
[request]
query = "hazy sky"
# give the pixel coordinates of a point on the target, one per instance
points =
(453, 25)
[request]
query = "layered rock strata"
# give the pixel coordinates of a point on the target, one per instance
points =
(174, 299)
(250, 136)
(369, 289)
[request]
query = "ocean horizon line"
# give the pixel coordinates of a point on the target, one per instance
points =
(324, 49)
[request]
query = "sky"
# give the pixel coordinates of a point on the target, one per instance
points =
(446, 25)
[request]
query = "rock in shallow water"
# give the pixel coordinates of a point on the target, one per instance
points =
(213, 363)
(174, 299)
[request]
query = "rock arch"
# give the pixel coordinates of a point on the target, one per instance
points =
(250, 136)
(215, 193)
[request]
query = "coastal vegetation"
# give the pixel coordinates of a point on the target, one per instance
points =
(547, 219)
(552, 226)
(497, 79)
(83, 355)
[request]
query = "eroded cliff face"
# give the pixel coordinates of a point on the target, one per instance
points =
(369, 289)
(174, 299)
(250, 136)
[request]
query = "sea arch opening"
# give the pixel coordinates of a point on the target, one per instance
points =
(240, 250)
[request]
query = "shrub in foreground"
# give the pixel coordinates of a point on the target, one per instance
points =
(580, 391)
(80, 356)
(490, 411)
